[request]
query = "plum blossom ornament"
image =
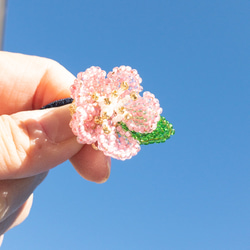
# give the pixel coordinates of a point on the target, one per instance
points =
(109, 112)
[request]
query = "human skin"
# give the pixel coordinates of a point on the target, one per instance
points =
(33, 141)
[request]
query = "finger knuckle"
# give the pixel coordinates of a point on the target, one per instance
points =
(12, 144)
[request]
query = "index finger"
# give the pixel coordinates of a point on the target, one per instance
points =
(30, 82)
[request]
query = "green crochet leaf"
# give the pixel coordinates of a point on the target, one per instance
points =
(163, 132)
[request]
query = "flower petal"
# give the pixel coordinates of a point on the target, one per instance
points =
(88, 83)
(144, 113)
(118, 144)
(83, 125)
(125, 74)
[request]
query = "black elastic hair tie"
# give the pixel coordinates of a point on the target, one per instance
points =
(58, 103)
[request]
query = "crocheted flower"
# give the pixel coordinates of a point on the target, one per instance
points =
(109, 113)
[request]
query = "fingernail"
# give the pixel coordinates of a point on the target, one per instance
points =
(108, 164)
(109, 167)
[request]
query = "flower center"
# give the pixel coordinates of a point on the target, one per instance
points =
(113, 107)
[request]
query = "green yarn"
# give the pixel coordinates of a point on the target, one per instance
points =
(163, 132)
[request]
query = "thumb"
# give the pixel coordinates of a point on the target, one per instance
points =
(32, 142)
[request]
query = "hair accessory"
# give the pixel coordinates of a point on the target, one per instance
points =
(109, 113)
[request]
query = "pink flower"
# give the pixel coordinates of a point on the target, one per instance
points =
(101, 104)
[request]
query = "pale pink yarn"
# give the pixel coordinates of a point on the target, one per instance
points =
(101, 103)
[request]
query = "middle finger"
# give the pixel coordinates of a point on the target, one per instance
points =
(13, 193)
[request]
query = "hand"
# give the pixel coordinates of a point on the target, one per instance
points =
(33, 141)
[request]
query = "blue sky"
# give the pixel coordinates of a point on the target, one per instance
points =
(191, 192)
